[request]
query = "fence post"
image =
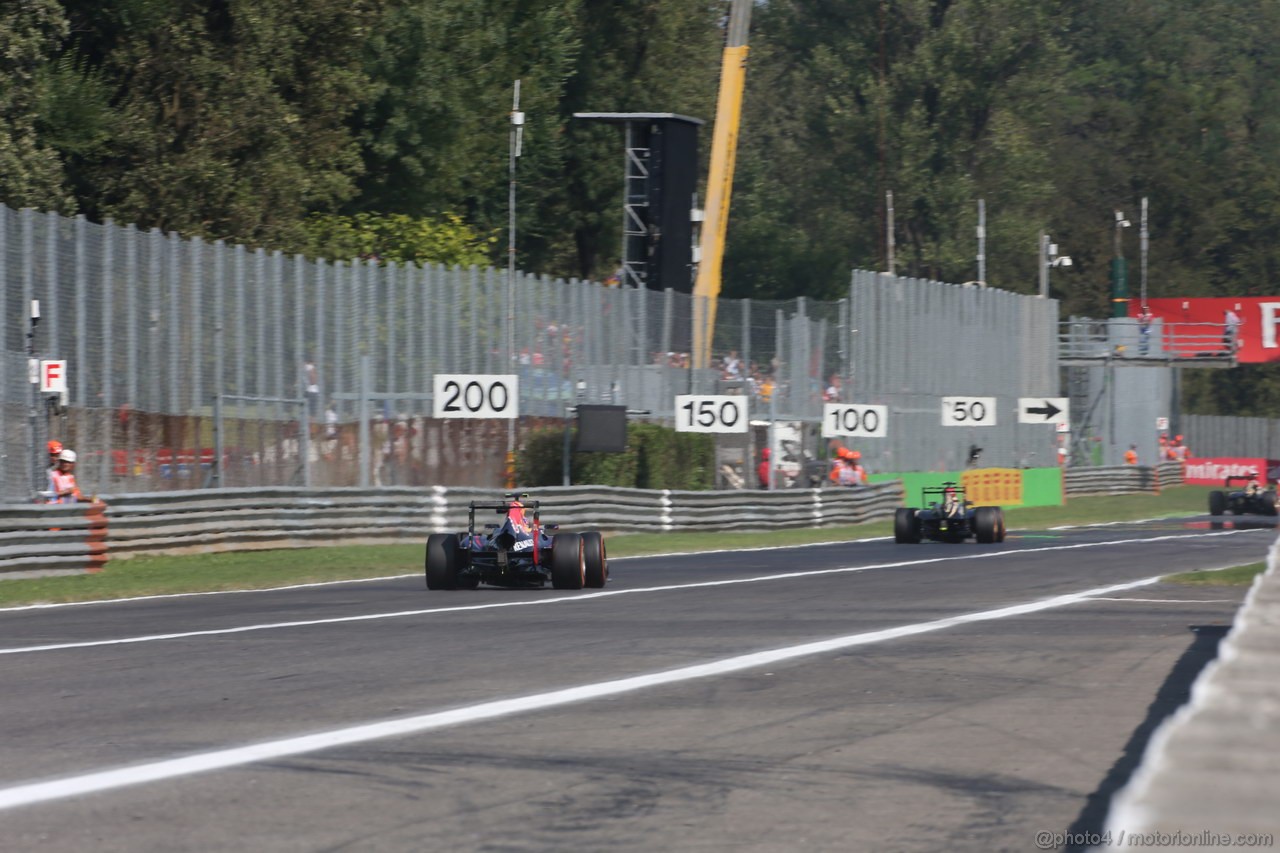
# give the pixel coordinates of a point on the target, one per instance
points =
(366, 455)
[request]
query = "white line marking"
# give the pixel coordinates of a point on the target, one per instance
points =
(104, 780)
(537, 602)
(52, 604)
(1172, 600)
(48, 605)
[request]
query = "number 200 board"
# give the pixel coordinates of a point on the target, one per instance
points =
(476, 395)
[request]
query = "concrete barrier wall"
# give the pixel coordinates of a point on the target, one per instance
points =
(1212, 770)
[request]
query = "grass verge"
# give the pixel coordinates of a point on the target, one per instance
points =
(158, 575)
(1234, 576)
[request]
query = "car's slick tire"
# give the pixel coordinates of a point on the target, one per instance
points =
(568, 562)
(1269, 501)
(597, 563)
(906, 526)
(1002, 530)
(1217, 506)
(442, 561)
(986, 524)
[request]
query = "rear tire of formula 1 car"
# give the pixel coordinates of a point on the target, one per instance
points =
(568, 561)
(906, 526)
(988, 525)
(597, 563)
(1269, 502)
(1217, 506)
(442, 561)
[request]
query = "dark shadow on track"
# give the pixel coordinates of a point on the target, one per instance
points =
(1172, 695)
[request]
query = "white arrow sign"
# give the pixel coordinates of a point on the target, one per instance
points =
(1043, 410)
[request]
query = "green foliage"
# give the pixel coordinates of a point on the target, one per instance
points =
(231, 116)
(31, 173)
(656, 457)
(396, 237)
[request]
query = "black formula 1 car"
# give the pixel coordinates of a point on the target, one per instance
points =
(948, 517)
(1251, 500)
(519, 552)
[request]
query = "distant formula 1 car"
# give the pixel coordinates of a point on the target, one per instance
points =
(1251, 500)
(950, 518)
(520, 552)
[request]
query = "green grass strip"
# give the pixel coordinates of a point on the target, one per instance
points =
(1234, 576)
(159, 575)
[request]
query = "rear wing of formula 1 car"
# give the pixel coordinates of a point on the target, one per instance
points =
(502, 507)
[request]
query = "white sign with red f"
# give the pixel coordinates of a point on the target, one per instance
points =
(53, 377)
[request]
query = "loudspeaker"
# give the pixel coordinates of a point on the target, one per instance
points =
(602, 429)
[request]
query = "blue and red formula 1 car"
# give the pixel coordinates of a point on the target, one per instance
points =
(520, 552)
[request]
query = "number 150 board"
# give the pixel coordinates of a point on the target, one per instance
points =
(711, 413)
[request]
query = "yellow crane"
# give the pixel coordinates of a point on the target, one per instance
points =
(724, 147)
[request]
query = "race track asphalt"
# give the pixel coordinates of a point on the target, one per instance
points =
(955, 697)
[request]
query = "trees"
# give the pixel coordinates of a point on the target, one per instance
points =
(31, 172)
(230, 114)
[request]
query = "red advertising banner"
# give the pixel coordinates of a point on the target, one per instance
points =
(1215, 471)
(1259, 321)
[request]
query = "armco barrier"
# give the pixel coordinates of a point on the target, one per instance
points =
(1121, 479)
(64, 538)
(69, 539)
(1209, 772)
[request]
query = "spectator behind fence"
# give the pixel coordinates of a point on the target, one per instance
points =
(1230, 331)
(62, 480)
(55, 450)
(1131, 455)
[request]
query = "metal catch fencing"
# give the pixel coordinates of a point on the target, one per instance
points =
(912, 342)
(172, 343)
(1216, 435)
(169, 339)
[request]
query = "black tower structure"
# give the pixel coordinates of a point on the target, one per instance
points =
(661, 183)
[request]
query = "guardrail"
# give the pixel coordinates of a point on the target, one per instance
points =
(1121, 341)
(59, 537)
(1211, 767)
(1121, 479)
(74, 539)
(81, 537)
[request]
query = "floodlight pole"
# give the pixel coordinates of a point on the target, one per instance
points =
(1142, 238)
(982, 241)
(33, 369)
(516, 138)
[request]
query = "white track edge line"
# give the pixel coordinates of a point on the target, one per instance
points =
(569, 599)
(635, 556)
(105, 780)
